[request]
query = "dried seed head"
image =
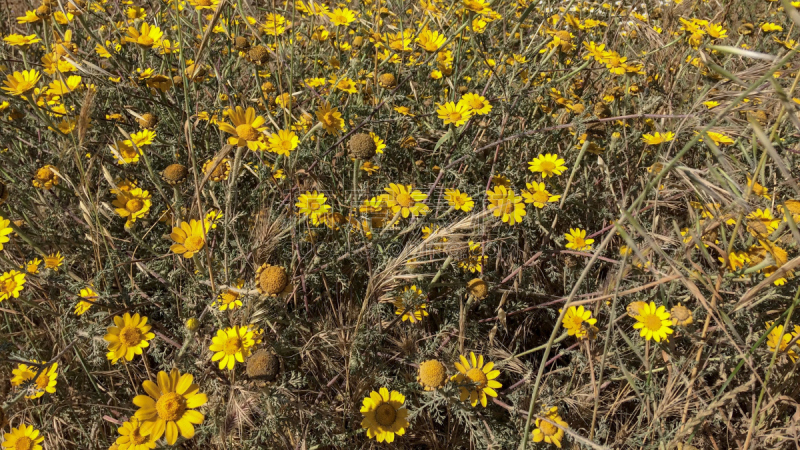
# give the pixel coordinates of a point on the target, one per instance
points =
(258, 54)
(361, 146)
(263, 365)
(241, 43)
(477, 288)
(175, 174)
(147, 121)
(432, 375)
(272, 280)
(387, 80)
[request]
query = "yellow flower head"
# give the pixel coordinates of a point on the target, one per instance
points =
(131, 437)
(231, 345)
(653, 322)
(128, 337)
(330, 118)
(546, 427)
(411, 304)
(548, 165)
(457, 114)
(403, 199)
(430, 41)
(24, 437)
(476, 103)
(576, 240)
(283, 142)
(342, 17)
(538, 194)
(577, 320)
(384, 415)
(458, 200)
(229, 299)
(132, 205)
(91, 297)
(146, 36)
(20, 83)
(658, 138)
(504, 203)
(189, 238)
(313, 205)
(169, 406)
(476, 380)
(43, 378)
(247, 128)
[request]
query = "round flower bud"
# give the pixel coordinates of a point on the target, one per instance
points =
(258, 54)
(361, 146)
(175, 174)
(432, 375)
(192, 324)
(387, 80)
(272, 280)
(147, 121)
(263, 365)
(477, 288)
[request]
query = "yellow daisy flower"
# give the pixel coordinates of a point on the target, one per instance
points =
(411, 304)
(504, 203)
(538, 194)
(313, 205)
(169, 406)
(24, 437)
(45, 381)
(576, 240)
(20, 83)
(458, 200)
(132, 205)
(128, 337)
(658, 138)
(32, 266)
(189, 238)
(577, 320)
(455, 114)
(91, 298)
(431, 41)
(653, 322)
(775, 337)
(131, 437)
(246, 128)
(145, 37)
(231, 345)
(548, 165)
(283, 142)
(229, 300)
(330, 118)
(476, 380)
(5, 230)
(547, 431)
(405, 200)
(11, 284)
(476, 103)
(53, 261)
(384, 415)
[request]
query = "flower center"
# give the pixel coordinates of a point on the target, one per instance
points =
(229, 297)
(652, 322)
(194, 243)
(579, 242)
(24, 443)
(130, 336)
(313, 205)
(170, 406)
(9, 286)
(454, 116)
(476, 104)
(548, 428)
(547, 166)
(508, 206)
(137, 438)
(233, 346)
(247, 132)
(145, 40)
(44, 174)
(286, 145)
(576, 322)
(42, 381)
(540, 196)
(134, 205)
(385, 414)
(478, 377)
(404, 200)
(328, 119)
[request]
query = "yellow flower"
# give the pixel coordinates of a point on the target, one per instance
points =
(719, 138)
(19, 40)
(283, 142)
(430, 41)
(405, 200)
(538, 195)
(32, 266)
(370, 167)
(125, 152)
(330, 118)
(384, 415)
(764, 217)
(658, 138)
(654, 322)
(131, 437)
(680, 315)
(476, 380)
(29, 17)
(574, 321)
(53, 261)
(24, 437)
(548, 165)
(132, 205)
(379, 144)
(229, 299)
(45, 381)
(200, 5)
(547, 431)
(148, 35)
(411, 304)
(274, 25)
(19, 84)
(476, 103)
(711, 104)
(342, 17)
(169, 406)
(231, 345)
(5, 230)
(189, 238)
(91, 297)
(246, 128)
(144, 137)
(458, 200)
(775, 337)
(128, 337)
(576, 240)
(770, 27)
(432, 375)
(59, 87)
(504, 203)
(220, 171)
(455, 114)
(758, 189)
(313, 205)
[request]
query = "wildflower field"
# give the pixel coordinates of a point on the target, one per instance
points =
(428, 224)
